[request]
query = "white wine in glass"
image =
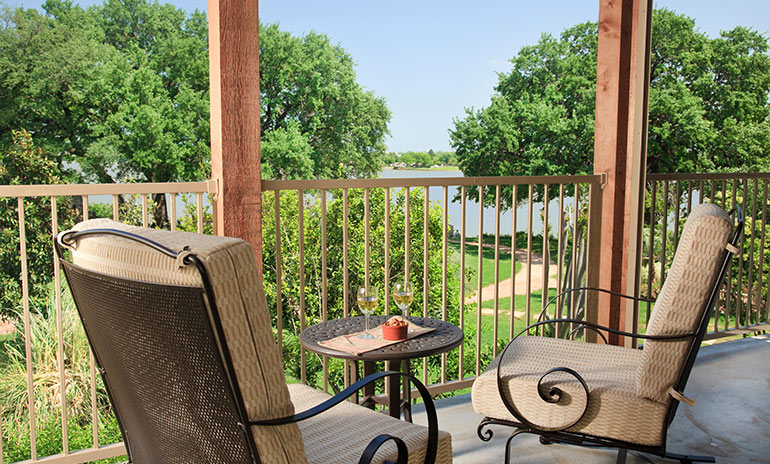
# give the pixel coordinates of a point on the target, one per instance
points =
(367, 303)
(403, 295)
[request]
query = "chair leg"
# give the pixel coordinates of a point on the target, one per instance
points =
(508, 445)
(622, 453)
(685, 459)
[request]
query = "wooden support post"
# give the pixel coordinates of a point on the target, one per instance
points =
(234, 93)
(620, 149)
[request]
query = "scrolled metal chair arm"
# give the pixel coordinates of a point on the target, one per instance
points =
(379, 440)
(554, 395)
(430, 410)
(595, 327)
(544, 311)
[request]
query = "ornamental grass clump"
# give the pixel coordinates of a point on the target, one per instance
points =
(45, 364)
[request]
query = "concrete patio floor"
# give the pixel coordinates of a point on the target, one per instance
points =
(730, 419)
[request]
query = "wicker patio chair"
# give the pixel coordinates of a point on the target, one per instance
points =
(181, 333)
(604, 395)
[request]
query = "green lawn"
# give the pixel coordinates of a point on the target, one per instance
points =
(487, 264)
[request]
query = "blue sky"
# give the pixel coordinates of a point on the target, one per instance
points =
(431, 59)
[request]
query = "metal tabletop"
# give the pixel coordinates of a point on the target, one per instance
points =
(446, 337)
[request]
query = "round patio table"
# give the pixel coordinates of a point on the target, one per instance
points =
(445, 337)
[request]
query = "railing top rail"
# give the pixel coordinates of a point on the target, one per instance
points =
(712, 176)
(320, 184)
(46, 190)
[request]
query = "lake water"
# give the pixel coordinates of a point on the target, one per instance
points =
(472, 207)
(436, 197)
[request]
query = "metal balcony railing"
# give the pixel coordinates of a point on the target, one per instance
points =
(448, 236)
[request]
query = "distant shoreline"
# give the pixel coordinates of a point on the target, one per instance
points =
(434, 168)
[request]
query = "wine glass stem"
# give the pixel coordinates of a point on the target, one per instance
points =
(366, 318)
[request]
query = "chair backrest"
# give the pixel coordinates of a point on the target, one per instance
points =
(143, 325)
(682, 301)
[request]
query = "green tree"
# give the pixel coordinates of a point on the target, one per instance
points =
(119, 90)
(23, 163)
(709, 105)
(356, 226)
(310, 82)
(58, 78)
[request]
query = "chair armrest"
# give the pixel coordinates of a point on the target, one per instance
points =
(598, 328)
(543, 312)
(554, 394)
(430, 410)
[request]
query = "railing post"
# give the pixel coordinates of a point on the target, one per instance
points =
(619, 149)
(234, 100)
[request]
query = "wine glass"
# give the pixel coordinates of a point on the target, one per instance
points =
(367, 302)
(403, 296)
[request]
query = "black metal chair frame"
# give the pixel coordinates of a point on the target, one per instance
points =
(561, 435)
(226, 367)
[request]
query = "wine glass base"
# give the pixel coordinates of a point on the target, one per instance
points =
(366, 336)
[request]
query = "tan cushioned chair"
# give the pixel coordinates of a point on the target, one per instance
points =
(339, 435)
(614, 395)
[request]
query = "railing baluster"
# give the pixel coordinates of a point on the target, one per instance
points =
(387, 252)
(665, 234)
(345, 283)
(301, 245)
(545, 256)
(92, 365)
(739, 278)
(172, 211)
(730, 269)
(725, 298)
(145, 208)
(677, 205)
(278, 276)
(750, 276)
(513, 261)
(461, 373)
(199, 210)
(651, 253)
(762, 254)
(479, 282)
(573, 312)
(406, 240)
(59, 331)
(560, 255)
(27, 329)
(701, 192)
(386, 213)
(529, 256)
(115, 207)
(366, 238)
(444, 263)
(425, 270)
(496, 316)
(324, 286)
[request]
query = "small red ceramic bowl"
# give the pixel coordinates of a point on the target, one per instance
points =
(394, 330)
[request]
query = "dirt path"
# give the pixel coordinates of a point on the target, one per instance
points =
(536, 279)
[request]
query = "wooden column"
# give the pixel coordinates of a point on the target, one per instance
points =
(234, 93)
(620, 149)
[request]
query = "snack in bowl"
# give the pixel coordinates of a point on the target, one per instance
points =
(395, 328)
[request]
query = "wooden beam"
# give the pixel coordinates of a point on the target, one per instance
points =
(619, 148)
(234, 94)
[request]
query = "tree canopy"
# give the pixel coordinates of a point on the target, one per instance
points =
(309, 92)
(120, 92)
(709, 105)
